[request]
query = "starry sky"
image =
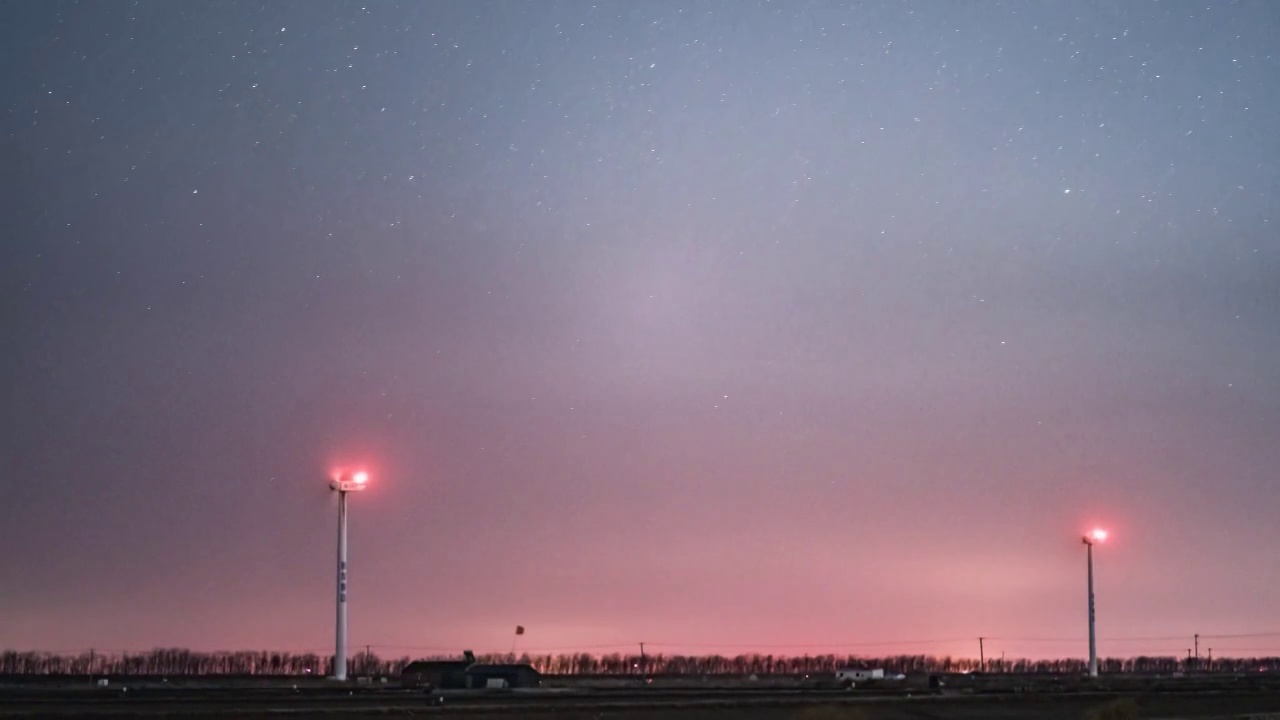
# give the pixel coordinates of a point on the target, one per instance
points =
(721, 325)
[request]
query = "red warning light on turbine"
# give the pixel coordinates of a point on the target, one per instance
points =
(349, 482)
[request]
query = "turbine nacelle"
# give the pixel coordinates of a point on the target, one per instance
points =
(350, 482)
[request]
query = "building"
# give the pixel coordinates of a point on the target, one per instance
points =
(437, 674)
(503, 676)
(858, 675)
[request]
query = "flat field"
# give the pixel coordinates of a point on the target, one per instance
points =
(1041, 698)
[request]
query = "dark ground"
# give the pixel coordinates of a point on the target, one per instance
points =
(745, 705)
(1003, 698)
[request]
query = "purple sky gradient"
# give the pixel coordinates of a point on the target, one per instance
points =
(792, 326)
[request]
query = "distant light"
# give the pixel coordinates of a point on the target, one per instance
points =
(1098, 535)
(362, 477)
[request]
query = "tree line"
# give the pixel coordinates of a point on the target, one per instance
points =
(181, 662)
(756, 664)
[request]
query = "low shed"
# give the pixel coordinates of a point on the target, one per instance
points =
(503, 676)
(859, 674)
(436, 674)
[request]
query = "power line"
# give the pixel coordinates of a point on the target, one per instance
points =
(1164, 638)
(884, 643)
(895, 643)
(454, 650)
(583, 647)
(691, 646)
(410, 647)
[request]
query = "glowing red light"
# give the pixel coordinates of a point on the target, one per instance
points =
(362, 477)
(1098, 535)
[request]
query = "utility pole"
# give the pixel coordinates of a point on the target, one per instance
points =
(1210, 659)
(982, 657)
(1002, 661)
(643, 663)
(1197, 648)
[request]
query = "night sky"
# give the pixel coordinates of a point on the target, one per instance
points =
(720, 325)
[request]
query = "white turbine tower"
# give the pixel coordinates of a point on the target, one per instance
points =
(343, 484)
(1093, 538)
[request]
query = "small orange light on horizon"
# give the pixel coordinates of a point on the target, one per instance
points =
(1098, 535)
(362, 477)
